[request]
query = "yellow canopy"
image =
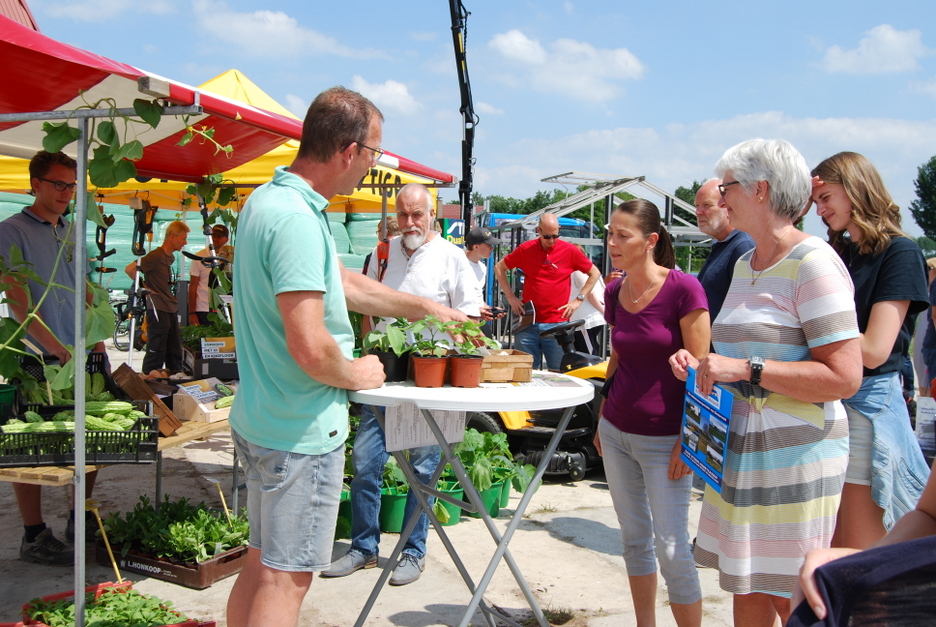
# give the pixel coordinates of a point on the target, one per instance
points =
(14, 174)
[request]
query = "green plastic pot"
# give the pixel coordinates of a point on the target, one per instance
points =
(505, 495)
(392, 508)
(7, 398)
(456, 491)
(491, 499)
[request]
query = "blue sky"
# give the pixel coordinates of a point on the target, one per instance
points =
(618, 88)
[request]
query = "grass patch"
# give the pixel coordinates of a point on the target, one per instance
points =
(553, 617)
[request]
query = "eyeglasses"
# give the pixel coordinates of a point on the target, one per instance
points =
(61, 186)
(544, 236)
(377, 151)
(723, 188)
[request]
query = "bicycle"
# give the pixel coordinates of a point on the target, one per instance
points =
(123, 314)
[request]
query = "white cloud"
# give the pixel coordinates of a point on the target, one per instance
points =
(483, 107)
(272, 34)
(679, 154)
(921, 87)
(390, 96)
(883, 50)
(569, 8)
(572, 68)
(296, 105)
(106, 10)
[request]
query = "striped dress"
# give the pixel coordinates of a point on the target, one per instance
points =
(786, 459)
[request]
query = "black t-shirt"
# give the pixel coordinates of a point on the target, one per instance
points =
(898, 273)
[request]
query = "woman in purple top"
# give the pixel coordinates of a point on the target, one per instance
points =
(653, 311)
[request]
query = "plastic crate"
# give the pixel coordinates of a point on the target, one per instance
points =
(95, 364)
(138, 445)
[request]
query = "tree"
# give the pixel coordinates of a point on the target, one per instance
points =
(924, 207)
(926, 245)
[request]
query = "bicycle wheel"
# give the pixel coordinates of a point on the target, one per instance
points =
(121, 333)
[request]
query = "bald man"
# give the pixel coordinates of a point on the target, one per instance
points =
(730, 244)
(547, 264)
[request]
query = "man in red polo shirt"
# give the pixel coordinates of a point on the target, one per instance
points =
(547, 264)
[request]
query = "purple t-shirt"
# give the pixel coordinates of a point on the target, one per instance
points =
(645, 397)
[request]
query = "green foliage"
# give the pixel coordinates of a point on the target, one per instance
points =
(211, 186)
(924, 207)
(217, 327)
(176, 531)
(470, 332)
(487, 459)
(114, 608)
(433, 346)
(394, 481)
(393, 338)
(926, 245)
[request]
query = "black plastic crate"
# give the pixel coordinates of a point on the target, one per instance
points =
(95, 363)
(135, 446)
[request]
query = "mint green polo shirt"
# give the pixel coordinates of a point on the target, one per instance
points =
(284, 245)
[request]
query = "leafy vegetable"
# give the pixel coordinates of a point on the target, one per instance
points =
(114, 608)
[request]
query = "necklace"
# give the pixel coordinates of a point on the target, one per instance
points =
(772, 253)
(630, 293)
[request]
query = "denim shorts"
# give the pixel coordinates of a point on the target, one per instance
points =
(292, 504)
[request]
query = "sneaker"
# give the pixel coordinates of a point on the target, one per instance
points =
(47, 550)
(407, 570)
(350, 562)
(91, 529)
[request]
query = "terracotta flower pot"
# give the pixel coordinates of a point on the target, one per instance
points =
(429, 372)
(466, 370)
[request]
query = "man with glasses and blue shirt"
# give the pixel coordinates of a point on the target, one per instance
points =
(45, 239)
(547, 264)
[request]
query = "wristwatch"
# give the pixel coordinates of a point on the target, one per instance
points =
(580, 297)
(757, 367)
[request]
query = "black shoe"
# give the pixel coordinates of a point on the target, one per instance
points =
(47, 550)
(91, 529)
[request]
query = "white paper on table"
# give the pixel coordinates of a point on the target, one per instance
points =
(405, 427)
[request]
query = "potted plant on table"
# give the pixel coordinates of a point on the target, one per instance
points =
(430, 358)
(390, 348)
(466, 366)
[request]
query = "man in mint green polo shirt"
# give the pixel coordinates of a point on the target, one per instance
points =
(294, 348)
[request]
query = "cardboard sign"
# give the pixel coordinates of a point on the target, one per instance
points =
(218, 348)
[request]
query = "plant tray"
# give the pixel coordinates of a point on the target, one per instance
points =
(136, 446)
(514, 366)
(97, 590)
(198, 576)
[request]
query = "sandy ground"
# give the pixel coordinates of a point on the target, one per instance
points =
(568, 547)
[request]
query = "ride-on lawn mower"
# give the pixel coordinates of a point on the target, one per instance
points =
(528, 433)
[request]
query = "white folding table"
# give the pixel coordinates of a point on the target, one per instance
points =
(547, 390)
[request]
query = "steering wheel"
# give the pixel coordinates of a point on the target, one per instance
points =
(562, 328)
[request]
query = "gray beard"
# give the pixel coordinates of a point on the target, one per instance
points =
(413, 241)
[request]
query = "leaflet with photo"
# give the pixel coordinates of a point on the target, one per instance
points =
(705, 430)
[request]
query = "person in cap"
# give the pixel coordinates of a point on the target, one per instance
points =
(203, 279)
(479, 245)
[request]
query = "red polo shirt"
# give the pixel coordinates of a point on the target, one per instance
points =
(546, 279)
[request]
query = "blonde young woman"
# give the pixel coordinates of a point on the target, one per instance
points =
(786, 342)
(652, 311)
(886, 469)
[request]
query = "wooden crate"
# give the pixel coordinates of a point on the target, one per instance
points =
(136, 388)
(196, 576)
(514, 366)
(189, 408)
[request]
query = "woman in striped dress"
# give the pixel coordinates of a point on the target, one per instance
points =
(786, 347)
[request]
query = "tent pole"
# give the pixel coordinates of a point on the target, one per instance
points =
(79, 231)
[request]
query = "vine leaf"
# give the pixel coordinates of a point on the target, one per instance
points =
(107, 132)
(186, 138)
(132, 150)
(149, 110)
(101, 168)
(58, 135)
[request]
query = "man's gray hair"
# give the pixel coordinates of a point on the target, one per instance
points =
(418, 188)
(779, 164)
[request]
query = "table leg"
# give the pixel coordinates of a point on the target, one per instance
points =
(421, 491)
(475, 497)
(158, 478)
(234, 487)
(502, 542)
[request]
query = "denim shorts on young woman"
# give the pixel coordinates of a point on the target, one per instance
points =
(898, 469)
(292, 504)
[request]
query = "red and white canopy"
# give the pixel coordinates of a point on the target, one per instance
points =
(40, 74)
